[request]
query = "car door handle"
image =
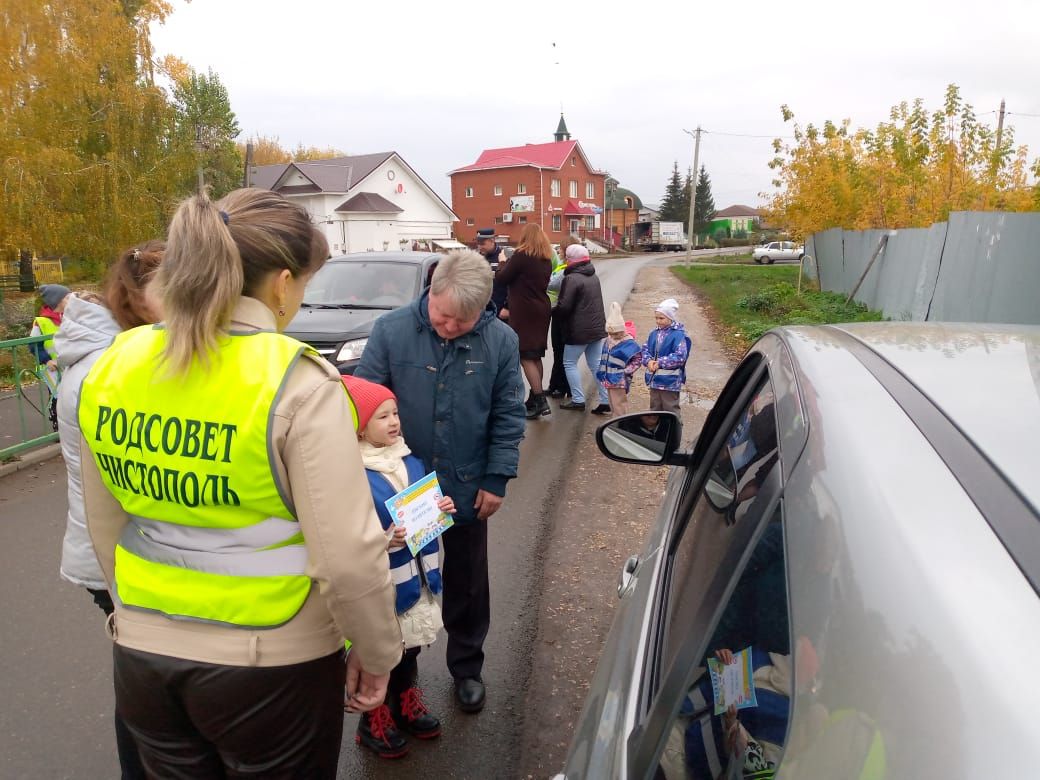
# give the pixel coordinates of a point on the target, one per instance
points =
(628, 576)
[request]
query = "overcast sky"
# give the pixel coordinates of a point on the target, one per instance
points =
(440, 81)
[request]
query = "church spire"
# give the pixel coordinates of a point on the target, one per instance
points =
(562, 133)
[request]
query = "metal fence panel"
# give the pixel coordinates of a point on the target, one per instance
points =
(906, 272)
(830, 258)
(989, 270)
(859, 247)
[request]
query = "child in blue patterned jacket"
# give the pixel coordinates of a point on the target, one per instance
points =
(391, 468)
(620, 359)
(664, 356)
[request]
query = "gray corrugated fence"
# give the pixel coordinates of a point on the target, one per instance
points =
(977, 267)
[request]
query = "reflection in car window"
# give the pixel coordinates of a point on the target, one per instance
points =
(363, 284)
(746, 742)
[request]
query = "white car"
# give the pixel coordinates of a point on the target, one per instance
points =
(778, 250)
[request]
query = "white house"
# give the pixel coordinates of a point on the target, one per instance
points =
(364, 203)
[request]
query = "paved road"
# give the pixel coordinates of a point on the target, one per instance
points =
(18, 420)
(55, 721)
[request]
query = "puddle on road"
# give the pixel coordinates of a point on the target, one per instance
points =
(690, 399)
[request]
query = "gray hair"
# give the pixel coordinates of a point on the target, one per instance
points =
(467, 277)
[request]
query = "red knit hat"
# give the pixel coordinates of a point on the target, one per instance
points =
(367, 397)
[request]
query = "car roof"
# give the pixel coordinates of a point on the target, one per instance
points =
(384, 257)
(984, 377)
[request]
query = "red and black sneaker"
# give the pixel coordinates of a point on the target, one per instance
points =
(413, 716)
(377, 731)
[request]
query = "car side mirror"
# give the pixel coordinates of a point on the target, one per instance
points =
(647, 438)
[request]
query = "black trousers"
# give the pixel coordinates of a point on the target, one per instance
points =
(196, 720)
(466, 606)
(557, 379)
(403, 676)
(130, 766)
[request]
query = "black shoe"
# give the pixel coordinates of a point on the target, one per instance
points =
(602, 409)
(377, 731)
(576, 405)
(470, 693)
(539, 407)
(411, 715)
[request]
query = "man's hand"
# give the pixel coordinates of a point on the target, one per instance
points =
(363, 691)
(486, 504)
(503, 313)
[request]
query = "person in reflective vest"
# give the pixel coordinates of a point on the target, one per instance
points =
(46, 323)
(664, 355)
(215, 500)
(620, 359)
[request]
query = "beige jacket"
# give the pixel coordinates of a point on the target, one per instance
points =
(317, 457)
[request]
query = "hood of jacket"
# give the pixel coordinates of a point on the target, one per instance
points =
(585, 267)
(85, 328)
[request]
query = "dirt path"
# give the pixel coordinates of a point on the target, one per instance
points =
(605, 514)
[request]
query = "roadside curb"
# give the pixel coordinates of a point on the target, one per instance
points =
(31, 459)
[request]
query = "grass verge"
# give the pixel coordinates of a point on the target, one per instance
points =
(748, 301)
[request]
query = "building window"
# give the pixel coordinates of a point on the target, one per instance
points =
(590, 223)
(469, 221)
(521, 189)
(573, 162)
(628, 202)
(554, 188)
(557, 223)
(573, 189)
(590, 190)
(498, 189)
(469, 192)
(522, 220)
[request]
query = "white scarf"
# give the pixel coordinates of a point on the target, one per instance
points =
(388, 461)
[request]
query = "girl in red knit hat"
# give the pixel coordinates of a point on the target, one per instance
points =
(391, 468)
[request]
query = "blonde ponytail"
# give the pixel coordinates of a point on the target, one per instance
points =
(200, 280)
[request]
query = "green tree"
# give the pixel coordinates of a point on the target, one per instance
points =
(671, 206)
(206, 130)
(704, 203)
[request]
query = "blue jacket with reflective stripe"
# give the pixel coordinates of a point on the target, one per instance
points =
(669, 378)
(401, 561)
(613, 361)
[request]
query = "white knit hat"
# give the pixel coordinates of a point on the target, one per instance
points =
(615, 320)
(669, 307)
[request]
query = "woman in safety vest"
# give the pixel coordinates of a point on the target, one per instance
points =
(230, 513)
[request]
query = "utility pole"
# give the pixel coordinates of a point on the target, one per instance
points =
(247, 177)
(693, 189)
(1000, 135)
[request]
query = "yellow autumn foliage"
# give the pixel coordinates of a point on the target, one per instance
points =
(910, 171)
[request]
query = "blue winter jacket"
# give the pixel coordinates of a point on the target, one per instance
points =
(614, 360)
(460, 400)
(671, 357)
(403, 566)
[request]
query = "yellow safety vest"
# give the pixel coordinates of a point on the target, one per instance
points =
(212, 534)
(47, 328)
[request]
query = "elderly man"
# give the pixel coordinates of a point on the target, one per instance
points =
(455, 368)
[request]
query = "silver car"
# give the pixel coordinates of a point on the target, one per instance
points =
(777, 250)
(861, 511)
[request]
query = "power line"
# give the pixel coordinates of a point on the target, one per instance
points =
(1019, 113)
(744, 135)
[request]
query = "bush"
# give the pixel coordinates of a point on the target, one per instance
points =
(734, 242)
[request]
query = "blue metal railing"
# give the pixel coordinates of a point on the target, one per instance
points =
(25, 397)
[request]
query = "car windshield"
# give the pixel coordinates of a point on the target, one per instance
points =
(378, 285)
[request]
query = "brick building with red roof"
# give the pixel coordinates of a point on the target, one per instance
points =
(551, 184)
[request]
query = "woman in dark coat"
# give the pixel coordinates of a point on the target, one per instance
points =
(580, 308)
(526, 277)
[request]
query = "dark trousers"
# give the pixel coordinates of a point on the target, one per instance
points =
(557, 379)
(403, 676)
(466, 607)
(130, 766)
(197, 720)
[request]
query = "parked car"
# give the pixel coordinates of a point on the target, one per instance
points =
(861, 509)
(351, 292)
(778, 250)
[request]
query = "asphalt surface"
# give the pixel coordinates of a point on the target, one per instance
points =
(56, 718)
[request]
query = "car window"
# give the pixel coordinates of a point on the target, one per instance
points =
(774, 245)
(366, 284)
(729, 505)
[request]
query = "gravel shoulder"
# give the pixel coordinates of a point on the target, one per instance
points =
(602, 516)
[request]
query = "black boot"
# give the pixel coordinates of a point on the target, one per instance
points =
(539, 406)
(410, 713)
(377, 731)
